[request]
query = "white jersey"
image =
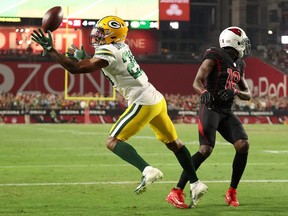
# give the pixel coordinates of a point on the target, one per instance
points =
(126, 75)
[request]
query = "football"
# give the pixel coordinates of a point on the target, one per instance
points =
(52, 19)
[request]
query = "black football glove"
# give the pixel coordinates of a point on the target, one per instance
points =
(206, 97)
(40, 38)
(227, 94)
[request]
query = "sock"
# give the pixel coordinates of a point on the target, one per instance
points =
(239, 164)
(184, 158)
(198, 159)
(129, 154)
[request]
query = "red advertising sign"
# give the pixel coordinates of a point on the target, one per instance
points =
(48, 77)
(13, 39)
(141, 42)
(264, 79)
(174, 10)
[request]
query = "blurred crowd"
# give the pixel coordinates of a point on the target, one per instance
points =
(21, 101)
(275, 56)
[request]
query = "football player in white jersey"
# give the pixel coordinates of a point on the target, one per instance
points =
(146, 105)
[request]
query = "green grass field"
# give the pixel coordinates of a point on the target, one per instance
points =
(67, 170)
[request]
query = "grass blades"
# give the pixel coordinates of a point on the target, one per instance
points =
(66, 169)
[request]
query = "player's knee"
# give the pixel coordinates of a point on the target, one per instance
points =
(111, 143)
(175, 146)
(205, 150)
(242, 146)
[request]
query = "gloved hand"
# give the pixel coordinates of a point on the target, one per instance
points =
(76, 53)
(40, 38)
(227, 94)
(206, 97)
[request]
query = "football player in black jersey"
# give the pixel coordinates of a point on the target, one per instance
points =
(219, 79)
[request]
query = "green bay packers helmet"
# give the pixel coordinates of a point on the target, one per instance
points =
(109, 29)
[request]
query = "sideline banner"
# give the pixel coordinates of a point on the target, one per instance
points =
(102, 116)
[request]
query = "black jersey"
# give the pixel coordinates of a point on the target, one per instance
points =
(225, 75)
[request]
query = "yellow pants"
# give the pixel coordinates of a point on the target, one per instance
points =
(137, 116)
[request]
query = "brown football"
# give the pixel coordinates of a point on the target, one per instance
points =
(52, 19)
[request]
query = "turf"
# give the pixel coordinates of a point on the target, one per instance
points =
(65, 169)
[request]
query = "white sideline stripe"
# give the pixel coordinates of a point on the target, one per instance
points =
(275, 151)
(129, 182)
(124, 165)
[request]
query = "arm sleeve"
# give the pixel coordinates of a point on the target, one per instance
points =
(106, 54)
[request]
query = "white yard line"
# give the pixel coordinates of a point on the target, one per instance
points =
(131, 182)
(124, 165)
(276, 151)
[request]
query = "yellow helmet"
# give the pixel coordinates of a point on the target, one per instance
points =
(109, 29)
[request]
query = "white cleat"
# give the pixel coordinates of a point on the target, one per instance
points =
(197, 190)
(150, 175)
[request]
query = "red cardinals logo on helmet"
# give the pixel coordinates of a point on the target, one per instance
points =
(236, 31)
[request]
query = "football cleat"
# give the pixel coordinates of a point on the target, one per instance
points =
(176, 198)
(197, 190)
(150, 175)
(231, 198)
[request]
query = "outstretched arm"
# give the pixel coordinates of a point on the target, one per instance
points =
(83, 66)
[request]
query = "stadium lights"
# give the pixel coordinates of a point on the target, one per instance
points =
(22, 30)
(284, 39)
(174, 25)
(270, 32)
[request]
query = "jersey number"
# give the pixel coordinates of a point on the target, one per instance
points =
(233, 79)
(132, 66)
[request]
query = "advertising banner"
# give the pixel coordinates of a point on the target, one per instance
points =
(110, 116)
(174, 10)
(15, 41)
(48, 77)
